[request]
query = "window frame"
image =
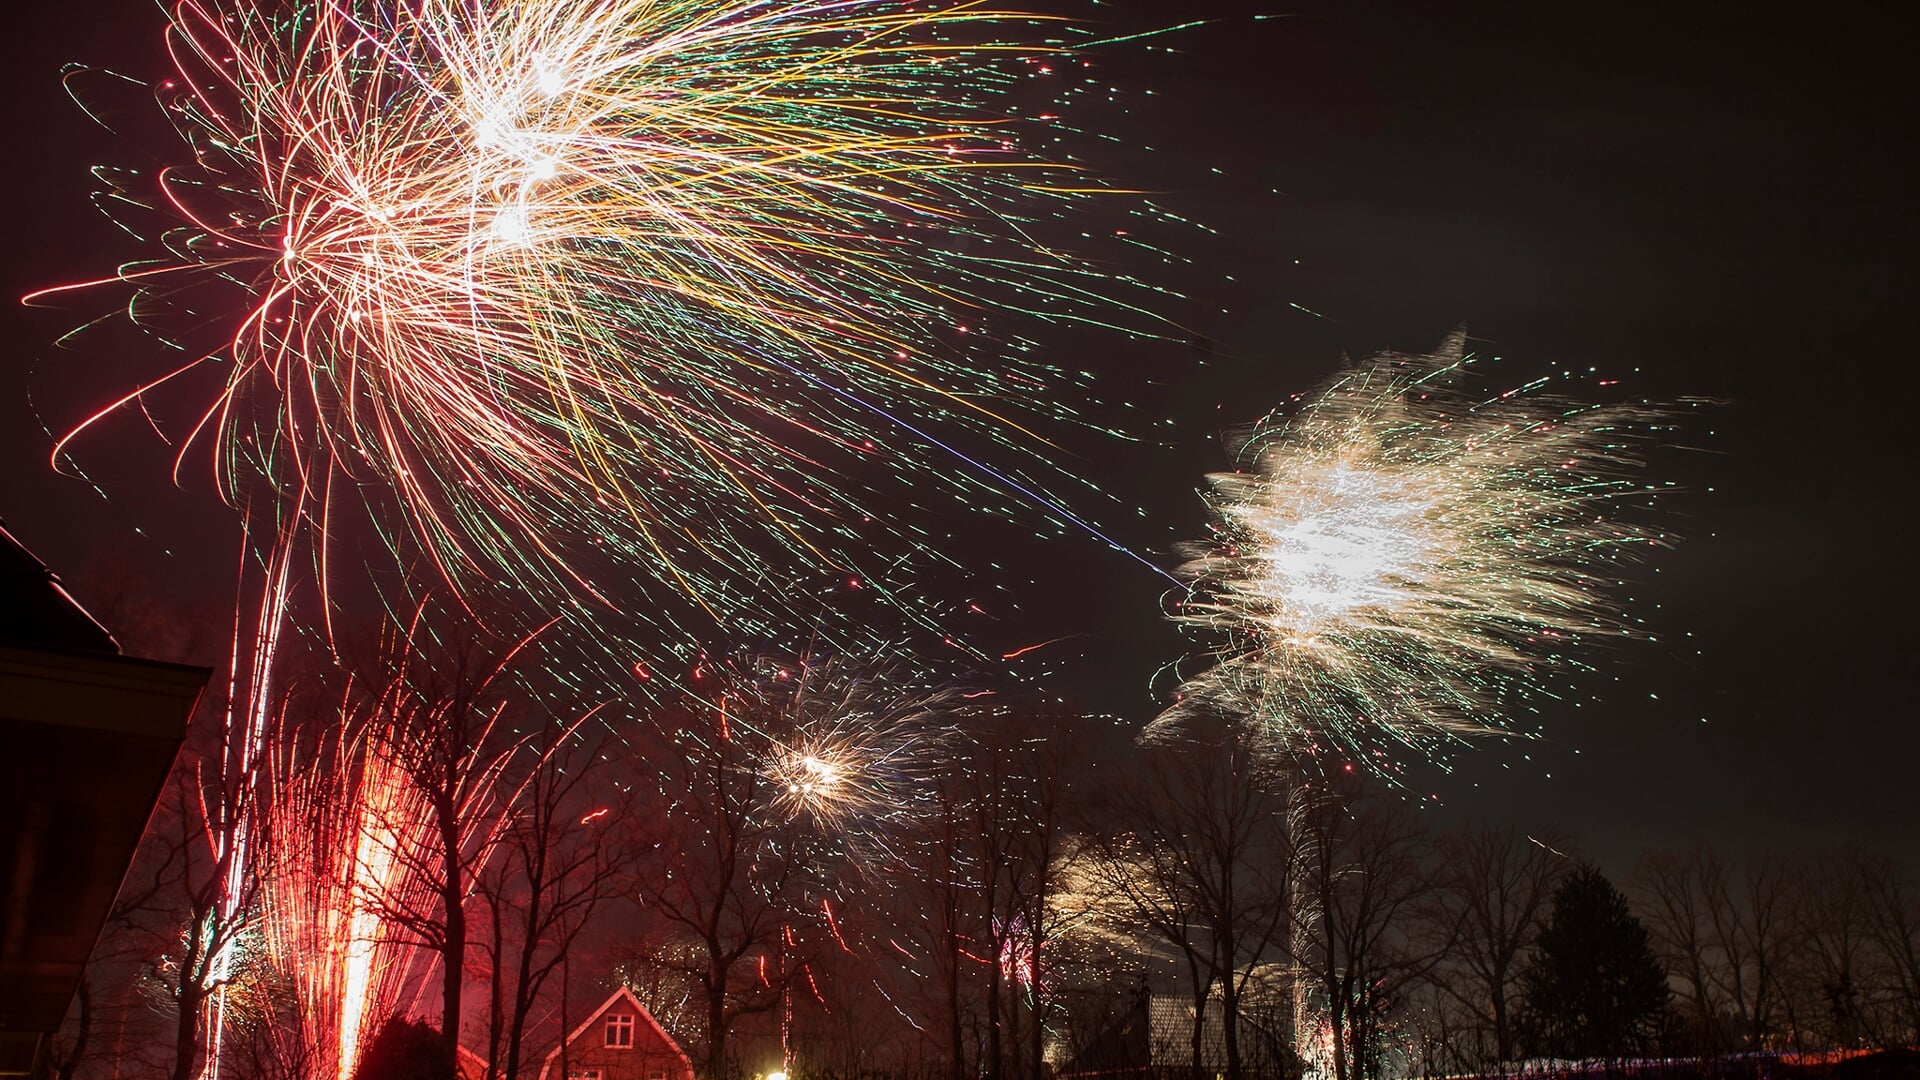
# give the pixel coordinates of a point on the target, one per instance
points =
(623, 1024)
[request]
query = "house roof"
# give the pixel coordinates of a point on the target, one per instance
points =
(1170, 1030)
(467, 1064)
(36, 611)
(89, 737)
(619, 995)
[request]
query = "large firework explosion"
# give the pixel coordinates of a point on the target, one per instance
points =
(608, 300)
(1402, 560)
(669, 311)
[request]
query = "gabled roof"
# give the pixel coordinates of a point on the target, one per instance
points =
(80, 725)
(36, 612)
(1121, 1048)
(468, 1065)
(619, 995)
(1170, 1031)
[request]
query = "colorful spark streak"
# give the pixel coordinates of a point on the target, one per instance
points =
(351, 849)
(349, 838)
(654, 308)
(1399, 556)
(591, 296)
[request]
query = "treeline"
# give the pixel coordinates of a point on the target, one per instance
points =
(815, 867)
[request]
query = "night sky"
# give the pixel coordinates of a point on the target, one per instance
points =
(1687, 197)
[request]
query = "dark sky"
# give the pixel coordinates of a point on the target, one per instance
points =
(1693, 197)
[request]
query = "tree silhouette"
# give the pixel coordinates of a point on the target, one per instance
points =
(1198, 854)
(405, 1050)
(1493, 887)
(1592, 987)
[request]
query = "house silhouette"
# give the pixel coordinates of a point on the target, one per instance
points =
(620, 1040)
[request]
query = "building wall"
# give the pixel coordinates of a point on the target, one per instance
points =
(649, 1058)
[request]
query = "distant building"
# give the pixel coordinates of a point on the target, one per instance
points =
(1154, 1038)
(619, 1041)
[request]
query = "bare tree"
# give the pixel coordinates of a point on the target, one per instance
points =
(1043, 859)
(718, 868)
(435, 706)
(932, 877)
(1893, 914)
(262, 1050)
(1672, 892)
(1026, 810)
(990, 869)
(1722, 934)
(1492, 890)
(193, 893)
(1200, 850)
(772, 783)
(1444, 1036)
(1832, 999)
(552, 868)
(997, 794)
(1365, 873)
(1747, 920)
(1159, 903)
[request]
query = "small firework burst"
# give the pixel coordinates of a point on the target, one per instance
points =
(841, 749)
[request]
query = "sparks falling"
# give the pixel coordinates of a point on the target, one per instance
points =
(658, 309)
(348, 821)
(594, 297)
(1400, 555)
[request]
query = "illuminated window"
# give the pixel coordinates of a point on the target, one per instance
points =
(620, 1030)
(583, 1074)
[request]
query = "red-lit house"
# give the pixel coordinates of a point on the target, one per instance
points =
(619, 1041)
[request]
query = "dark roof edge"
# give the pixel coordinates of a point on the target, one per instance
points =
(36, 611)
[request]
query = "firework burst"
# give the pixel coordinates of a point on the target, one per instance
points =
(631, 293)
(1401, 557)
(661, 309)
(841, 751)
(352, 845)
